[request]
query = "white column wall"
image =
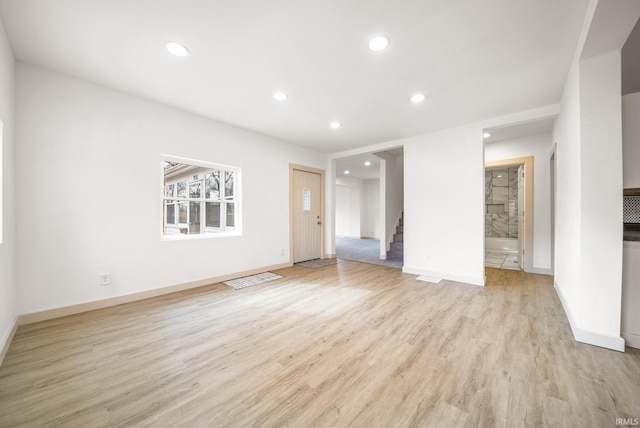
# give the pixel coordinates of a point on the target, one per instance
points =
(7, 194)
(601, 193)
(444, 204)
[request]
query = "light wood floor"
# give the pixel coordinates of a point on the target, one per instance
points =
(346, 345)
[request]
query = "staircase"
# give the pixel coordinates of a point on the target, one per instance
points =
(396, 251)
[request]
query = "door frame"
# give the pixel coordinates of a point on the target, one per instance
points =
(527, 161)
(320, 172)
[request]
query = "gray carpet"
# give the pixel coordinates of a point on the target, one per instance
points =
(363, 250)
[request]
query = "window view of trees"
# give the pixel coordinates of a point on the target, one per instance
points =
(194, 202)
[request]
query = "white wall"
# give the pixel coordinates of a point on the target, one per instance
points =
(566, 133)
(538, 146)
(631, 140)
(370, 226)
(601, 193)
(348, 206)
(588, 256)
(7, 182)
(444, 204)
(392, 193)
(89, 179)
(357, 207)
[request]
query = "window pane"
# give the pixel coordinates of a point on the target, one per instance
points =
(231, 215)
(168, 190)
(194, 217)
(170, 213)
(195, 189)
(228, 184)
(213, 214)
(306, 199)
(182, 189)
(212, 185)
(182, 212)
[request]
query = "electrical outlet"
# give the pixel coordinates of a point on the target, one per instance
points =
(282, 251)
(105, 278)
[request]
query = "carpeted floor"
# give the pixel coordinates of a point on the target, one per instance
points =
(362, 250)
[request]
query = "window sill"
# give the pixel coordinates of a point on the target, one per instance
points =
(199, 236)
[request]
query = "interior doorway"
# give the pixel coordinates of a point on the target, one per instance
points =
(369, 205)
(508, 213)
(307, 207)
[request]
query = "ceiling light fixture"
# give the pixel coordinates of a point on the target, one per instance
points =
(379, 43)
(486, 135)
(335, 124)
(367, 163)
(346, 172)
(176, 48)
(280, 96)
(417, 98)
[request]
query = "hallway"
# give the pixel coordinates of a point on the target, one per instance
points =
(362, 250)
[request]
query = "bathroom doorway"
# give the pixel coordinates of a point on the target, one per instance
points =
(508, 209)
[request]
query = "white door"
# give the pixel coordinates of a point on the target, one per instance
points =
(521, 215)
(307, 221)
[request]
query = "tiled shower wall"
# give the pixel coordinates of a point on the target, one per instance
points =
(501, 202)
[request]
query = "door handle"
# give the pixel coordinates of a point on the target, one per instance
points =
(319, 222)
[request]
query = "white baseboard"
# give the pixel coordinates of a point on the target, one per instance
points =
(119, 300)
(632, 340)
(6, 340)
(540, 271)
(443, 275)
(587, 336)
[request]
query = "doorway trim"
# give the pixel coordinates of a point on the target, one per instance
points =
(527, 161)
(296, 167)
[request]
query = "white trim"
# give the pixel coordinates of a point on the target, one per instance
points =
(127, 298)
(586, 336)
(540, 271)
(443, 275)
(632, 340)
(7, 339)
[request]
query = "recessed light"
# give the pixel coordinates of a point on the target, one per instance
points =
(346, 172)
(280, 96)
(176, 48)
(335, 124)
(379, 43)
(417, 98)
(486, 135)
(367, 163)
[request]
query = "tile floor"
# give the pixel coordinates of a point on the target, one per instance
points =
(501, 259)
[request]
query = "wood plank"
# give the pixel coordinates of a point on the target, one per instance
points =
(345, 345)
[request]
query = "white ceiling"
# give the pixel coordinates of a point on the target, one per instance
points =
(355, 164)
(511, 132)
(356, 167)
(473, 59)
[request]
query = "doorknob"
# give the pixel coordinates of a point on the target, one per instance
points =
(319, 222)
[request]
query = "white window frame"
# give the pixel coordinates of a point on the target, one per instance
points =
(176, 231)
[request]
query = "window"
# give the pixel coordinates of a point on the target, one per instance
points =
(199, 198)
